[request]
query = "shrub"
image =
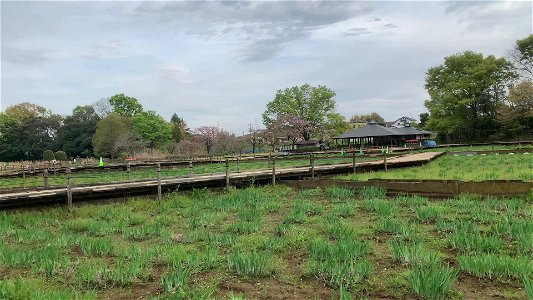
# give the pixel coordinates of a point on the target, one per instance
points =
(48, 155)
(61, 155)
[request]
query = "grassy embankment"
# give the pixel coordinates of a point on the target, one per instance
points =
(467, 168)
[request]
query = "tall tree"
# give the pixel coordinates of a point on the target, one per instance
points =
(102, 107)
(371, 117)
(522, 56)
(306, 102)
(28, 139)
(26, 110)
(179, 128)
(465, 92)
(423, 120)
(516, 113)
(336, 125)
(152, 128)
(108, 130)
(75, 136)
(254, 137)
(125, 105)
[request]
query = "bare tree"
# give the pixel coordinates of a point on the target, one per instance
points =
(102, 107)
(191, 146)
(208, 135)
(254, 137)
(129, 143)
(226, 143)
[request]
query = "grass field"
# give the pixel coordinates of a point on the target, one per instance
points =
(271, 242)
(467, 168)
(106, 176)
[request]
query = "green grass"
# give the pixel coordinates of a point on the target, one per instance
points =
(259, 241)
(431, 281)
(249, 264)
(492, 266)
(466, 168)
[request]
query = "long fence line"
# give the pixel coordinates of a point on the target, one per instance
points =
(50, 179)
(225, 179)
(23, 169)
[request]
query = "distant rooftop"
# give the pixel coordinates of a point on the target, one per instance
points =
(372, 129)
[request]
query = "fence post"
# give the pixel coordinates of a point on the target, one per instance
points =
(128, 170)
(45, 178)
(385, 161)
(312, 162)
(159, 181)
(273, 170)
(190, 167)
(353, 162)
(69, 189)
(238, 164)
(227, 174)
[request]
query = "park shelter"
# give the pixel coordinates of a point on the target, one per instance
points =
(374, 134)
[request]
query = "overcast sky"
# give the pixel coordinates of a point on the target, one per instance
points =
(219, 63)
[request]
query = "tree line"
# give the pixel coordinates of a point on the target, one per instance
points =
(119, 127)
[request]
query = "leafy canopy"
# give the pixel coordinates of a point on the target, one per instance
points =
(75, 136)
(125, 106)
(464, 93)
(305, 102)
(108, 131)
(152, 128)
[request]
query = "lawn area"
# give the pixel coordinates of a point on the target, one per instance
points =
(467, 168)
(271, 242)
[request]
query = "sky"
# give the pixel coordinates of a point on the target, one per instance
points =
(219, 63)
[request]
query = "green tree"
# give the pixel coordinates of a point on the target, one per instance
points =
(125, 105)
(48, 155)
(516, 113)
(465, 92)
(26, 110)
(152, 128)
(306, 102)
(371, 117)
(27, 139)
(108, 130)
(75, 136)
(522, 56)
(336, 125)
(179, 128)
(61, 156)
(423, 120)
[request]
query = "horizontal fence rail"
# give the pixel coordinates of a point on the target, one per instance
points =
(159, 184)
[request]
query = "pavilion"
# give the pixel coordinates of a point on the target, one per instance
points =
(374, 134)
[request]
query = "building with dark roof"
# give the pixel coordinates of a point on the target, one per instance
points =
(374, 134)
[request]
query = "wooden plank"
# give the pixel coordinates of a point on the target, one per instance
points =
(208, 179)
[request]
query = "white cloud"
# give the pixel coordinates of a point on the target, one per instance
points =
(221, 62)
